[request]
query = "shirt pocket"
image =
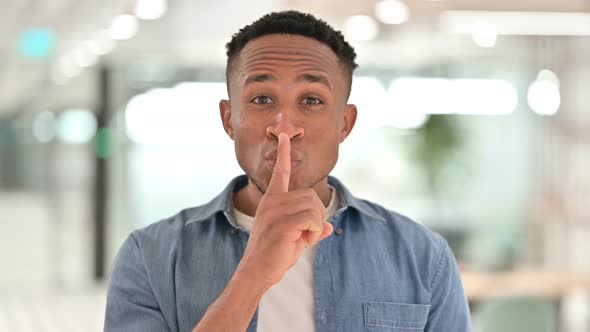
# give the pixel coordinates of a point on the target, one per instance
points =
(395, 317)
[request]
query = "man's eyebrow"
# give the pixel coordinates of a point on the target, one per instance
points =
(322, 79)
(259, 78)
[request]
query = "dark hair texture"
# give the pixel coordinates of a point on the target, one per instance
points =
(293, 23)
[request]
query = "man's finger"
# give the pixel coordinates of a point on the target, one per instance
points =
(281, 173)
(316, 227)
(327, 230)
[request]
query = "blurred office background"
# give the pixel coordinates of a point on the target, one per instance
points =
(474, 119)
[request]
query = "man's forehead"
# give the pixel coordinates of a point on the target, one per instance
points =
(304, 77)
(296, 52)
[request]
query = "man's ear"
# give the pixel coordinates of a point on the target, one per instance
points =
(225, 112)
(349, 121)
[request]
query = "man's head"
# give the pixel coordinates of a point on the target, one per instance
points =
(288, 72)
(292, 23)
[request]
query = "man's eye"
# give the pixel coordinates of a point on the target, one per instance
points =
(262, 100)
(311, 101)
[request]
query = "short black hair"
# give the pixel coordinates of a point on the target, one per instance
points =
(293, 23)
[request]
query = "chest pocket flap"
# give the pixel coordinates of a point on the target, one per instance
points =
(389, 316)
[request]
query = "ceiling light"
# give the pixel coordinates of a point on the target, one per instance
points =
(123, 27)
(101, 43)
(76, 126)
(67, 67)
(83, 56)
(44, 127)
(543, 94)
(484, 34)
(392, 12)
(361, 27)
(150, 9)
(548, 75)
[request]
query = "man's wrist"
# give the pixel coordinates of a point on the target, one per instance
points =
(247, 279)
(239, 300)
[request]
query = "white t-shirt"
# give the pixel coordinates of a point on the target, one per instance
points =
(288, 305)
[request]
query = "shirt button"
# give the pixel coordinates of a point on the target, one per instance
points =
(233, 231)
(339, 231)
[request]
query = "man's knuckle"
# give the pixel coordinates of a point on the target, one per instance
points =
(317, 215)
(309, 200)
(311, 215)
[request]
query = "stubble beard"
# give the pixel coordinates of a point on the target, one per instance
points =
(310, 184)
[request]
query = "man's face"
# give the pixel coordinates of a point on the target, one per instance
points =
(292, 84)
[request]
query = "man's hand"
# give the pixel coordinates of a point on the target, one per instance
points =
(285, 223)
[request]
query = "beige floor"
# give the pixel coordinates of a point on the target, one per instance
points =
(56, 311)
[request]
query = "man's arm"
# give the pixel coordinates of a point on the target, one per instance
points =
(234, 308)
(131, 304)
(448, 306)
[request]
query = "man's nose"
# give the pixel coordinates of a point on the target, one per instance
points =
(283, 122)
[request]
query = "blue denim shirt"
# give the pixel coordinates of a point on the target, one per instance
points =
(380, 272)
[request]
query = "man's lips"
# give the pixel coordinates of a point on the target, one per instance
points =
(272, 155)
(270, 163)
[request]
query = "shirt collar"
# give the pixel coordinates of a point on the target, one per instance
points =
(224, 202)
(348, 200)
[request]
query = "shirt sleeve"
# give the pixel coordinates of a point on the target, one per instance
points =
(131, 303)
(449, 310)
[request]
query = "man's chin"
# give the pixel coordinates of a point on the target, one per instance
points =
(296, 182)
(262, 185)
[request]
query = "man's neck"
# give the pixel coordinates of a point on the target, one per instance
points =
(246, 200)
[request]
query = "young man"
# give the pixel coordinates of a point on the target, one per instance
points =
(285, 247)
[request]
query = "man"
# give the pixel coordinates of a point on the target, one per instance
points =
(285, 247)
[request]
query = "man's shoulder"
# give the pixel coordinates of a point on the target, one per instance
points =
(170, 229)
(193, 217)
(390, 225)
(402, 228)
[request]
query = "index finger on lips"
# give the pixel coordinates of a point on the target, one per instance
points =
(281, 173)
